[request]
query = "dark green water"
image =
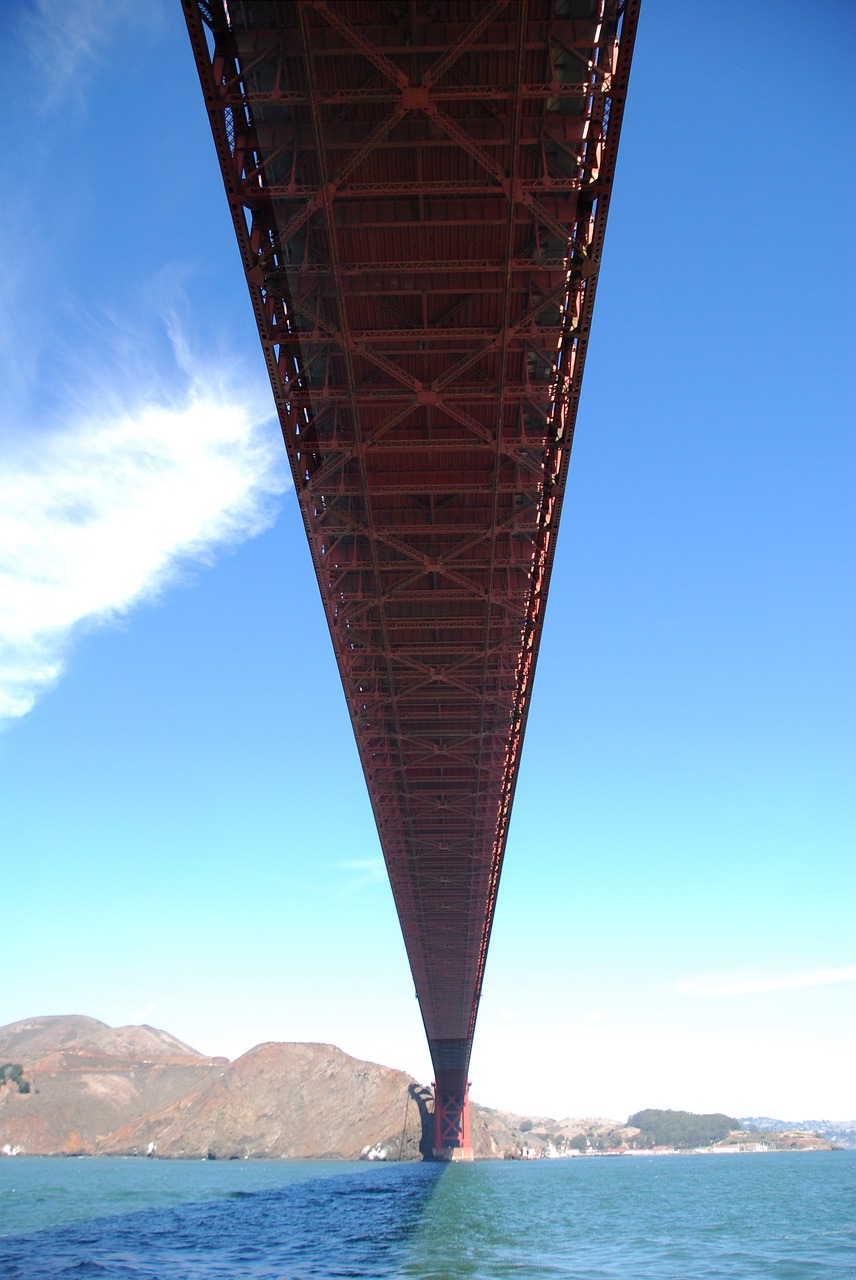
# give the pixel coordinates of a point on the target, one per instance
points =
(783, 1216)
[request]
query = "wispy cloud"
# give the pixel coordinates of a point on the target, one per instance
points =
(63, 38)
(143, 1014)
(158, 470)
(753, 986)
(363, 873)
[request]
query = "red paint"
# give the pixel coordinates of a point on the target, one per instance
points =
(420, 208)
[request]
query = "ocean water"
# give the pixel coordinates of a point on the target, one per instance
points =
(782, 1216)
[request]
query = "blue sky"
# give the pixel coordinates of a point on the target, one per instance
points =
(187, 839)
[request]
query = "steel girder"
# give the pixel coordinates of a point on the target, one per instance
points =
(419, 192)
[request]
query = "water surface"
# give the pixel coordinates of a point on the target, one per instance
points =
(782, 1216)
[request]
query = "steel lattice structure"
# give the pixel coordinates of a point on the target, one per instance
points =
(419, 190)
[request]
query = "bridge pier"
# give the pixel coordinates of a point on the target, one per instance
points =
(452, 1116)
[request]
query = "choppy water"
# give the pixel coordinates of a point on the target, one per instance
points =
(777, 1216)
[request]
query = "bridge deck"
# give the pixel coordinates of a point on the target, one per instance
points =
(419, 191)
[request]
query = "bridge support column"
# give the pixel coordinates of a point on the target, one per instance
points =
(452, 1117)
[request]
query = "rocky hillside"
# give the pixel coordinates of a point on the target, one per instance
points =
(36, 1037)
(87, 1079)
(841, 1133)
(286, 1101)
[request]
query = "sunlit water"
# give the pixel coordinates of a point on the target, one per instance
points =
(778, 1216)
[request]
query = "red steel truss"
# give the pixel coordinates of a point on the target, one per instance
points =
(419, 190)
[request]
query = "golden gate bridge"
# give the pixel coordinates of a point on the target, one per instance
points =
(419, 190)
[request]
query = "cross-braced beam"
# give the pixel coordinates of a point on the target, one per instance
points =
(419, 196)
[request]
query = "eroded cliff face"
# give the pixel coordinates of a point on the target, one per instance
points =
(287, 1101)
(87, 1079)
(98, 1090)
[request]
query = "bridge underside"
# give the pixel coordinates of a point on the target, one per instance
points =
(419, 192)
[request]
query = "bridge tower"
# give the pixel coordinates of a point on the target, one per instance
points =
(419, 193)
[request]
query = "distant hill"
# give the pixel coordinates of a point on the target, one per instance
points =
(681, 1129)
(840, 1132)
(75, 1086)
(87, 1079)
(35, 1037)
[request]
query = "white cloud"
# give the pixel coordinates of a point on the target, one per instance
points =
(63, 38)
(102, 513)
(749, 986)
(143, 1014)
(364, 872)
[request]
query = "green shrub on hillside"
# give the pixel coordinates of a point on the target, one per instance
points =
(15, 1072)
(680, 1128)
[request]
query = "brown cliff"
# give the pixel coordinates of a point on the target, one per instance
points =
(86, 1079)
(286, 1101)
(97, 1090)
